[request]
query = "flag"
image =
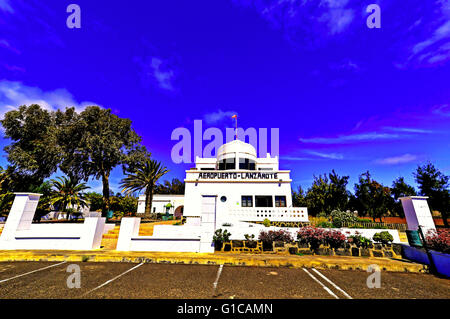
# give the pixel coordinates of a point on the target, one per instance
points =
(234, 116)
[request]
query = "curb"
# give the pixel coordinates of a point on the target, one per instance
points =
(320, 262)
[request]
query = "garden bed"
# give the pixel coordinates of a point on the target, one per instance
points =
(296, 248)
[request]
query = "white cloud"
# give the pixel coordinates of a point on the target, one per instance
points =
(442, 110)
(215, 117)
(335, 156)
(5, 6)
(343, 139)
(162, 74)
(408, 130)
(405, 158)
(15, 94)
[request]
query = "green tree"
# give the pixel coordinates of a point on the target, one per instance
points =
(327, 193)
(299, 198)
(33, 153)
(144, 178)
(95, 201)
(95, 142)
(68, 193)
(434, 184)
(373, 198)
(401, 189)
(175, 187)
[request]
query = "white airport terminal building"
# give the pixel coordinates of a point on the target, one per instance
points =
(241, 186)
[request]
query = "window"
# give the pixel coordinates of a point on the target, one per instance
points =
(280, 201)
(247, 201)
(263, 201)
(207, 168)
(245, 163)
(223, 199)
(154, 209)
(228, 163)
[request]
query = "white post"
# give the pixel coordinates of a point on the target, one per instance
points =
(21, 215)
(418, 213)
(129, 227)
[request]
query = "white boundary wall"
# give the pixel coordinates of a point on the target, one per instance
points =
(20, 233)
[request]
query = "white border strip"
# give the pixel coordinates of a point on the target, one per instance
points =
(1, 281)
(111, 280)
(332, 283)
(218, 276)
(323, 286)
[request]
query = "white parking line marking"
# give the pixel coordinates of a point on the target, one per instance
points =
(323, 286)
(1, 281)
(332, 283)
(218, 276)
(111, 280)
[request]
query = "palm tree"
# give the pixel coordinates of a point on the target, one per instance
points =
(68, 193)
(144, 177)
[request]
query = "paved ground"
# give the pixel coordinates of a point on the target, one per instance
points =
(134, 280)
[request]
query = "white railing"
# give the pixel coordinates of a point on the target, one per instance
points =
(282, 214)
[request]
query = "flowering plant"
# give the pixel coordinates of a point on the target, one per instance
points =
(312, 236)
(275, 235)
(334, 238)
(439, 241)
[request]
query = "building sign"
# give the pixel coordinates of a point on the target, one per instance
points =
(245, 175)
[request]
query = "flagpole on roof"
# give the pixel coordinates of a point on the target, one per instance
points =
(235, 132)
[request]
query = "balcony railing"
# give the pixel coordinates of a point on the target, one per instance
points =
(284, 214)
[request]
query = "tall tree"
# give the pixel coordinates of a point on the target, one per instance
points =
(144, 178)
(434, 184)
(34, 153)
(373, 198)
(327, 193)
(401, 189)
(299, 198)
(174, 187)
(94, 143)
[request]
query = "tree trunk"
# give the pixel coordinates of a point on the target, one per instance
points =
(148, 201)
(105, 181)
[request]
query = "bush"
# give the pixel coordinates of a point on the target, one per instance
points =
(359, 240)
(312, 236)
(338, 218)
(334, 238)
(221, 236)
(266, 222)
(439, 241)
(325, 224)
(384, 237)
(275, 235)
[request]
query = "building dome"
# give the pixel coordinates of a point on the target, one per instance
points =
(231, 148)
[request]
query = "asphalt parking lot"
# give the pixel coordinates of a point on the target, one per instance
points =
(43, 280)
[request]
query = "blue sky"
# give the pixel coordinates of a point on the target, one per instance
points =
(344, 96)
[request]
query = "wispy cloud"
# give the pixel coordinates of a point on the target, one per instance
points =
(15, 94)
(408, 130)
(5, 44)
(442, 110)
(335, 156)
(215, 117)
(6, 6)
(158, 72)
(351, 138)
(401, 159)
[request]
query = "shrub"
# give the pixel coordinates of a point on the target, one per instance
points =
(364, 220)
(312, 236)
(325, 224)
(334, 238)
(275, 235)
(439, 241)
(221, 236)
(249, 237)
(359, 240)
(266, 222)
(338, 218)
(384, 237)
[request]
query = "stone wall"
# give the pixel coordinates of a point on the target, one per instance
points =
(295, 248)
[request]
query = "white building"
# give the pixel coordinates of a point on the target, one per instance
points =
(160, 204)
(246, 188)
